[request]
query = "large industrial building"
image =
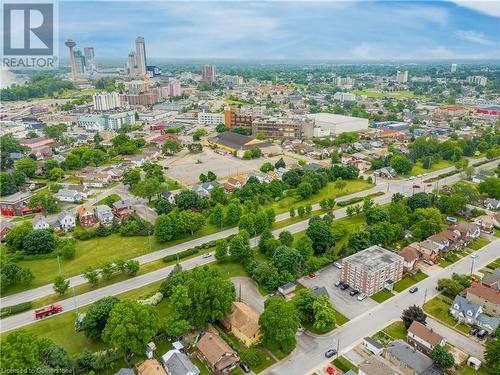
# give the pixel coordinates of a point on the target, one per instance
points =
(329, 124)
(372, 270)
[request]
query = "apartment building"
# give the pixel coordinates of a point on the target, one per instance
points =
(372, 269)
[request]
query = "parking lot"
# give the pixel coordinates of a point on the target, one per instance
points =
(341, 300)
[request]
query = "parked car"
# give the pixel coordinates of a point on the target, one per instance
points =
(344, 286)
(474, 331)
(413, 289)
(473, 255)
(482, 334)
(338, 283)
(429, 262)
(330, 353)
(411, 178)
(415, 186)
(338, 265)
(245, 367)
(206, 255)
(361, 297)
(354, 292)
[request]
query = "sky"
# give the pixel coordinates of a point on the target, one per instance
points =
(303, 30)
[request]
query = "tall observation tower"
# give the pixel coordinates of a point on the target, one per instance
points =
(70, 43)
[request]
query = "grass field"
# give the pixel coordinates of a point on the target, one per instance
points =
(478, 243)
(382, 296)
(115, 197)
(439, 309)
(466, 370)
(396, 330)
(408, 281)
(452, 258)
(495, 264)
(343, 364)
(329, 191)
(419, 169)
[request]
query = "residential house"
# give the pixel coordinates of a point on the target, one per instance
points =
(86, 216)
(122, 209)
(125, 371)
(409, 360)
(178, 363)
(465, 311)
(428, 249)
(386, 172)
(485, 223)
(488, 323)
(492, 204)
(66, 221)
(287, 290)
(243, 322)
(423, 338)
(446, 240)
(169, 196)
(150, 367)
(97, 180)
(201, 191)
(485, 296)
(104, 214)
(5, 227)
(234, 183)
(40, 222)
(136, 160)
(66, 195)
(468, 231)
(492, 279)
(218, 355)
(410, 255)
(496, 219)
(314, 167)
(375, 365)
(373, 345)
(16, 204)
(83, 190)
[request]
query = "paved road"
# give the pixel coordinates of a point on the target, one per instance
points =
(306, 358)
(20, 320)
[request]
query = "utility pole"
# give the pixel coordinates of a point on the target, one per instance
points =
(338, 347)
(425, 296)
(472, 266)
(59, 264)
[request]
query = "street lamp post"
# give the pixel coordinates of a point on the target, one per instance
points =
(472, 266)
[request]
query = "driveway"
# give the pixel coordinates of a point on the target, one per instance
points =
(246, 289)
(341, 300)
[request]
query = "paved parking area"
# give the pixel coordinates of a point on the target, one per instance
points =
(341, 300)
(249, 293)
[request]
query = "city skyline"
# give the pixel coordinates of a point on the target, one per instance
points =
(278, 30)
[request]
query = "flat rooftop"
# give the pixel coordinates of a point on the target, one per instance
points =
(373, 258)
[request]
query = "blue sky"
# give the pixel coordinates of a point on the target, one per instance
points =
(354, 30)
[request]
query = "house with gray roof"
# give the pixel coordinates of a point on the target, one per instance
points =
(178, 363)
(66, 221)
(66, 195)
(465, 311)
(40, 222)
(104, 214)
(403, 356)
(125, 371)
(488, 323)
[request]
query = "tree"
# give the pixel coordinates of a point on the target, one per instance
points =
(131, 326)
(217, 215)
(442, 357)
(247, 222)
(23, 350)
(286, 238)
(191, 222)
(287, 259)
(199, 133)
(233, 213)
(61, 285)
(147, 188)
(491, 187)
(171, 146)
(218, 195)
(44, 201)
(7, 183)
(455, 285)
(239, 247)
(166, 227)
(411, 314)
(187, 199)
(292, 212)
(221, 250)
(324, 314)
(304, 190)
(92, 276)
(55, 131)
(195, 148)
(340, 184)
(211, 176)
(40, 241)
(426, 222)
(97, 316)
(72, 161)
(176, 277)
(321, 235)
(401, 164)
(492, 355)
(291, 178)
(27, 166)
(15, 237)
(94, 157)
(279, 323)
(131, 177)
(12, 274)
(305, 247)
(55, 174)
(280, 164)
(163, 206)
(303, 301)
(266, 167)
(419, 200)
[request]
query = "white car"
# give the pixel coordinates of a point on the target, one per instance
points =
(473, 255)
(338, 265)
(206, 255)
(411, 178)
(361, 297)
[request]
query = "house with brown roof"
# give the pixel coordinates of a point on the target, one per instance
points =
(243, 322)
(485, 223)
(423, 338)
(468, 231)
(410, 255)
(447, 240)
(427, 249)
(86, 216)
(486, 297)
(218, 355)
(234, 183)
(150, 367)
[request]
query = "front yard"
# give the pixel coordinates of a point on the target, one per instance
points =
(343, 364)
(478, 243)
(439, 309)
(408, 281)
(382, 296)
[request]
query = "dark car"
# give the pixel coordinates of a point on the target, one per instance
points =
(354, 292)
(413, 289)
(245, 367)
(330, 353)
(344, 286)
(482, 334)
(474, 331)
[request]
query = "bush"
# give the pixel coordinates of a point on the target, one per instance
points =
(83, 235)
(153, 300)
(251, 356)
(15, 309)
(67, 249)
(181, 255)
(350, 201)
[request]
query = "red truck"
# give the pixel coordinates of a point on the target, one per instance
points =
(49, 310)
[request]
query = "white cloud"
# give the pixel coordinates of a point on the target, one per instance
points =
(489, 7)
(416, 15)
(473, 36)
(366, 51)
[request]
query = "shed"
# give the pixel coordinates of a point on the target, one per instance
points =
(373, 345)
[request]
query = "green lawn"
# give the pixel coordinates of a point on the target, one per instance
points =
(115, 197)
(343, 364)
(449, 259)
(408, 281)
(478, 243)
(382, 296)
(201, 366)
(439, 309)
(495, 264)
(466, 370)
(340, 318)
(419, 169)
(496, 232)
(329, 191)
(396, 330)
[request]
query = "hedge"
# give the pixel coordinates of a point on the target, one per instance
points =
(350, 201)
(181, 255)
(15, 309)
